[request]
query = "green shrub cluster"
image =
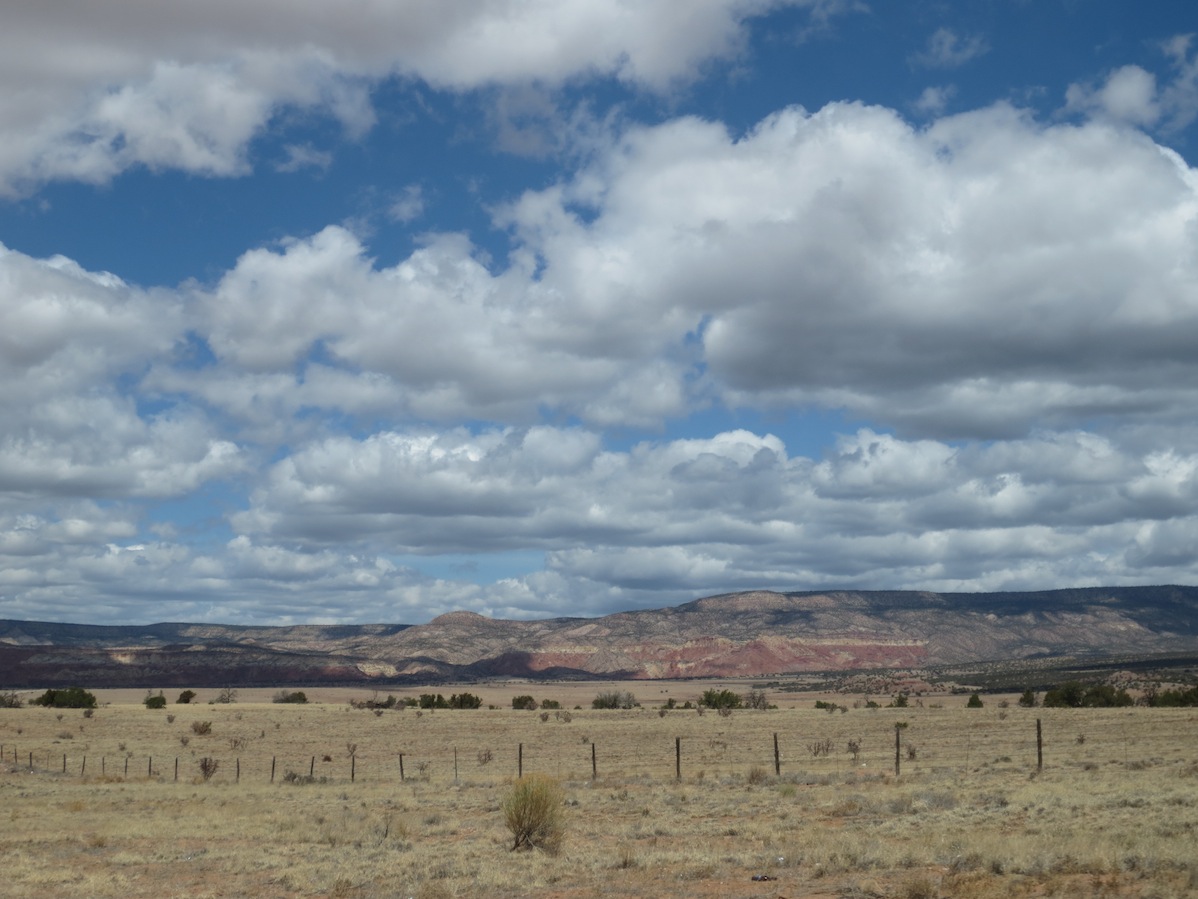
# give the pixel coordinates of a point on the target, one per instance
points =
(720, 699)
(524, 702)
(1076, 695)
(186, 697)
(296, 698)
(70, 698)
(155, 702)
(456, 701)
(1170, 699)
(614, 699)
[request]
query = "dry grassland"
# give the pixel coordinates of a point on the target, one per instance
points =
(1113, 813)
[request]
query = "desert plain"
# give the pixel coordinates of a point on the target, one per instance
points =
(331, 800)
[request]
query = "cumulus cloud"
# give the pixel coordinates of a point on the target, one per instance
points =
(89, 95)
(736, 511)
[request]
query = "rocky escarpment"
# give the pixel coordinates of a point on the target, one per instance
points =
(741, 634)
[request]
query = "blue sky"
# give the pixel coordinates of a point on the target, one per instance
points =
(550, 308)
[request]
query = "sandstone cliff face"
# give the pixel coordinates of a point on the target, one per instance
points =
(743, 634)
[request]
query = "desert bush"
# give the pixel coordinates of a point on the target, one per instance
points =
(1076, 695)
(720, 699)
(820, 747)
(208, 767)
(296, 698)
(70, 698)
(550, 704)
(226, 696)
(544, 716)
(485, 756)
(186, 697)
(724, 712)
(465, 701)
(854, 749)
(433, 701)
(10, 700)
(757, 776)
(201, 728)
(975, 702)
(755, 699)
(184, 740)
(87, 713)
(532, 811)
(1028, 699)
(155, 702)
(524, 702)
(614, 699)
(300, 780)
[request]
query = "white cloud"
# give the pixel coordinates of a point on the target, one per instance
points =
(88, 95)
(947, 50)
(1129, 95)
(408, 205)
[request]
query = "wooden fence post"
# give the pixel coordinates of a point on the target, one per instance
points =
(272, 769)
(238, 769)
(312, 767)
(777, 757)
(678, 758)
(64, 763)
(353, 767)
(126, 766)
(455, 764)
(520, 761)
(1039, 747)
(176, 769)
(83, 767)
(150, 766)
(594, 765)
(401, 777)
(897, 730)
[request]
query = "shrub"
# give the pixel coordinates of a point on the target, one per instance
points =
(10, 700)
(155, 702)
(532, 811)
(296, 698)
(71, 698)
(226, 695)
(186, 697)
(525, 702)
(1028, 699)
(201, 728)
(1076, 695)
(720, 699)
(614, 699)
(550, 704)
(431, 701)
(465, 701)
(755, 699)
(975, 701)
(208, 767)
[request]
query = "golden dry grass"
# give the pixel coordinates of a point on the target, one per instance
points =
(1113, 813)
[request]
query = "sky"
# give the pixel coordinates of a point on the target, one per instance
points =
(370, 311)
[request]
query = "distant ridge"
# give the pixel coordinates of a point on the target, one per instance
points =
(735, 634)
